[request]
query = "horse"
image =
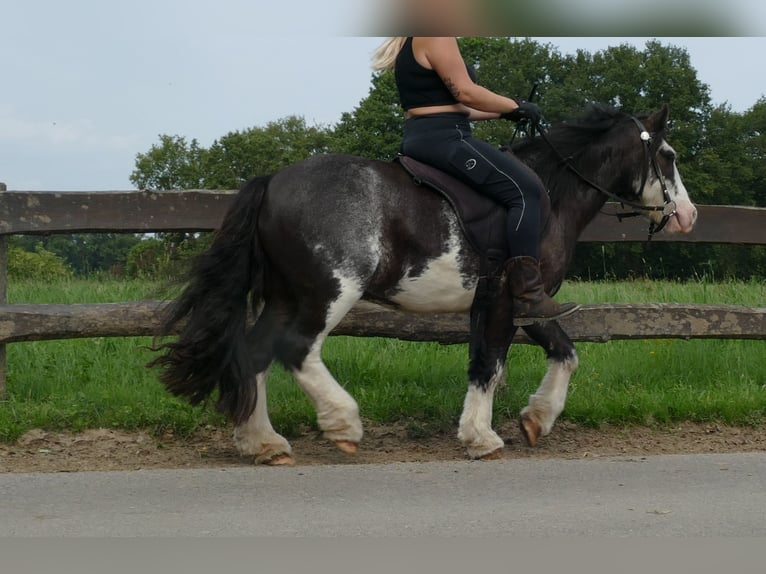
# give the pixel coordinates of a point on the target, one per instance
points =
(299, 248)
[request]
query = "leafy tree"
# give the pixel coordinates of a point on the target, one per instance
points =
(513, 68)
(40, 264)
(146, 259)
(227, 164)
(84, 253)
(721, 171)
(374, 128)
(636, 81)
(240, 155)
(174, 163)
(232, 159)
(754, 126)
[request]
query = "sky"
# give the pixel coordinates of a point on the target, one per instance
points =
(86, 85)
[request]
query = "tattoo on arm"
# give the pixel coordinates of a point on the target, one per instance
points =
(451, 87)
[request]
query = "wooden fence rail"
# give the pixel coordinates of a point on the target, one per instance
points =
(592, 323)
(46, 212)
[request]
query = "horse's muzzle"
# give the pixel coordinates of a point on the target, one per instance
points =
(684, 219)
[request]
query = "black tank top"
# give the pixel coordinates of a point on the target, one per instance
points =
(418, 86)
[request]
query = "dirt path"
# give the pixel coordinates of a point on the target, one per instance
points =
(103, 449)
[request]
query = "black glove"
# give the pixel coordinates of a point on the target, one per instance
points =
(526, 111)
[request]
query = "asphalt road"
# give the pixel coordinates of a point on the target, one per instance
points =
(686, 496)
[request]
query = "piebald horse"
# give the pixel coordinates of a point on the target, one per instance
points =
(299, 248)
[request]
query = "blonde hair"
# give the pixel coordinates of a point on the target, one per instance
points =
(385, 56)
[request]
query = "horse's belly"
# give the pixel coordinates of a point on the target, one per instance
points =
(440, 287)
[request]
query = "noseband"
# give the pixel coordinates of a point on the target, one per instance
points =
(668, 209)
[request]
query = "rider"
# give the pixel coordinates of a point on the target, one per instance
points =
(440, 96)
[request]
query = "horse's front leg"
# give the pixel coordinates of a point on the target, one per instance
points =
(475, 431)
(488, 353)
(544, 407)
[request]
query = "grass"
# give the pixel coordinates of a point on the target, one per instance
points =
(102, 382)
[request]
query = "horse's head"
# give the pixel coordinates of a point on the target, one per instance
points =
(659, 183)
(609, 154)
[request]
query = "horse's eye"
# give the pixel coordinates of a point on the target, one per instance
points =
(668, 154)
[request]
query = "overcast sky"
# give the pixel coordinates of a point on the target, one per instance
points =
(85, 85)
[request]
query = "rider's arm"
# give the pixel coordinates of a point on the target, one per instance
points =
(478, 116)
(443, 54)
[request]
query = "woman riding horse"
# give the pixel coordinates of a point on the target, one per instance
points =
(440, 96)
(299, 249)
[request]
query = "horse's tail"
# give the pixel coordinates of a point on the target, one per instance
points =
(211, 314)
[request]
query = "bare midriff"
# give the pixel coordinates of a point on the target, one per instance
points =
(427, 110)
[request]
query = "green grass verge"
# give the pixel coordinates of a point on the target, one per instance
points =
(102, 382)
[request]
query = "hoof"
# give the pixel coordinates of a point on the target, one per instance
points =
(347, 446)
(494, 455)
(282, 459)
(530, 429)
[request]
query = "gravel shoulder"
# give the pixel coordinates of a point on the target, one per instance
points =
(110, 449)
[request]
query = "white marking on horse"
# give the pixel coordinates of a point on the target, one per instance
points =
(337, 411)
(440, 287)
(548, 401)
(256, 437)
(475, 430)
(686, 212)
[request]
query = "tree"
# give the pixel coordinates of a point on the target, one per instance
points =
(38, 264)
(83, 253)
(638, 81)
(232, 159)
(635, 81)
(174, 163)
(240, 155)
(754, 126)
(513, 68)
(374, 128)
(721, 171)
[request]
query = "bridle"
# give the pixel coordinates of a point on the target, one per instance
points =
(668, 209)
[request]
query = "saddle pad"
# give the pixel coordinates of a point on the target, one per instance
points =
(481, 218)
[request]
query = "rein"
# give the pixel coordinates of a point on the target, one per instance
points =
(668, 209)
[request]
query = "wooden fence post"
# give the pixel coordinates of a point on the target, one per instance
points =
(3, 300)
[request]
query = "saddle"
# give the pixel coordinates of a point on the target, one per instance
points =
(483, 222)
(481, 219)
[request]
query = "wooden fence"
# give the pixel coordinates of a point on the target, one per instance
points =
(195, 210)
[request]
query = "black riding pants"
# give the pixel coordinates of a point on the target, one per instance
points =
(445, 141)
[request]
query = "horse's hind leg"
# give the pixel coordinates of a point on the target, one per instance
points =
(337, 411)
(301, 350)
(544, 407)
(256, 437)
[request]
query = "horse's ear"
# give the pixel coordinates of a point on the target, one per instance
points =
(658, 121)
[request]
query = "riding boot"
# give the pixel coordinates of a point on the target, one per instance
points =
(531, 304)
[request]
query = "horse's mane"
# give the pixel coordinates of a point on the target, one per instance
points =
(570, 139)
